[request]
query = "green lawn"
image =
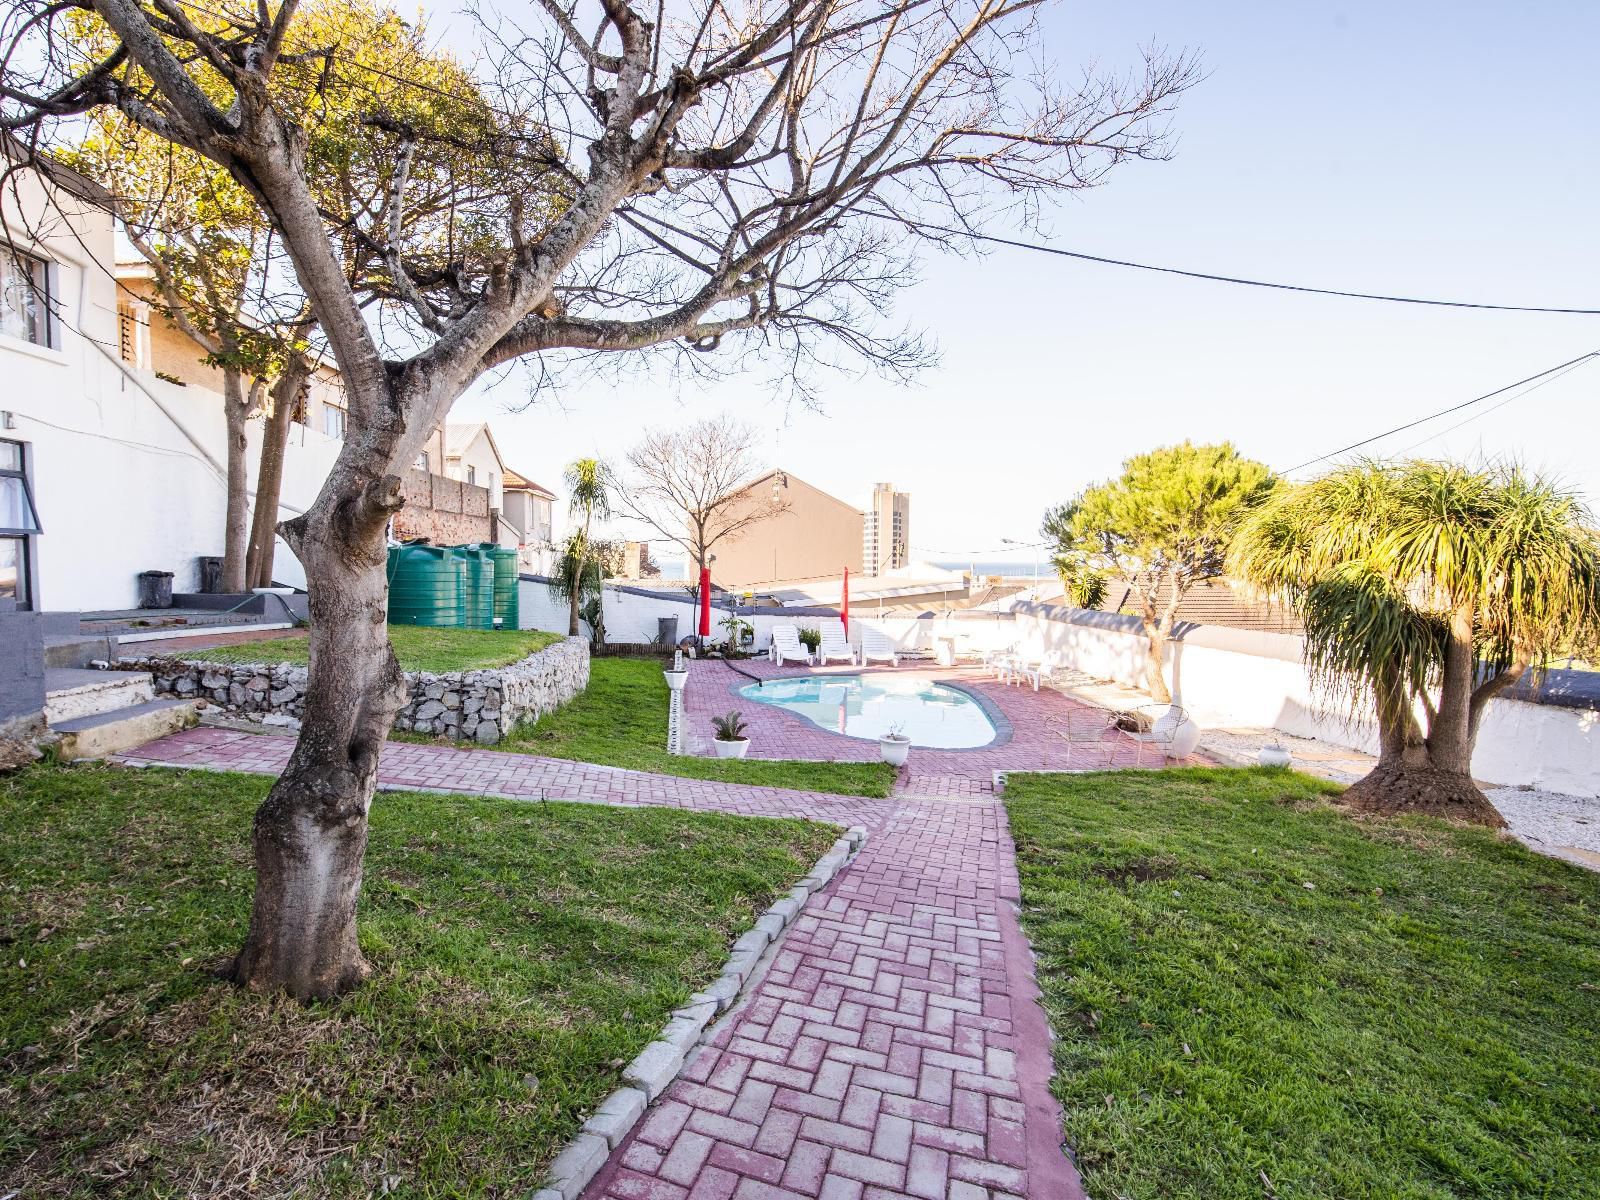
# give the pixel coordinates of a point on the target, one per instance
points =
(419, 648)
(1259, 995)
(523, 952)
(621, 721)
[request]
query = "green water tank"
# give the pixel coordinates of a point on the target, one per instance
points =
(477, 597)
(506, 606)
(424, 586)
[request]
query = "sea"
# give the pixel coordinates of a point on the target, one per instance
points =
(678, 569)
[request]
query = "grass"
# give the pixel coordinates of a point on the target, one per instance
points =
(621, 721)
(1260, 995)
(419, 648)
(523, 952)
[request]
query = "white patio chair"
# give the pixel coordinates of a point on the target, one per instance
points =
(1032, 668)
(1165, 733)
(787, 646)
(876, 647)
(835, 646)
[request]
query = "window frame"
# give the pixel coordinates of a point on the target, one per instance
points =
(26, 598)
(45, 317)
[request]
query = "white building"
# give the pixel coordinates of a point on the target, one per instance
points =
(106, 470)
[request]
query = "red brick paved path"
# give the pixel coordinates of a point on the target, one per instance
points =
(895, 1048)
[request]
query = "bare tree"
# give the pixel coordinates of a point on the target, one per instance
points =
(689, 485)
(748, 178)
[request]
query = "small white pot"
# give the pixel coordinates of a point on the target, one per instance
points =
(894, 749)
(676, 680)
(1274, 756)
(733, 749)
(1185, 739)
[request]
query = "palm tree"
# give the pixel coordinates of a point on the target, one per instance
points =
(589, 486)
(1426, 589)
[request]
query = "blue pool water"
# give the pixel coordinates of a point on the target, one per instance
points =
(930, 714)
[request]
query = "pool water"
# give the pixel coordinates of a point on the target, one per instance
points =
(859, 706)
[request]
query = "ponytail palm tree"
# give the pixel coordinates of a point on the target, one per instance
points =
(589, 491)
(1426, 589)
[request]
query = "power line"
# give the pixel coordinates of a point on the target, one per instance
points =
(1493, 408)
(1260, 283)
(1444, 412)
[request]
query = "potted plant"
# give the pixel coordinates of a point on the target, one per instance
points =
(1274, 755)
(810, 637)
(894, 746)
(730, 740)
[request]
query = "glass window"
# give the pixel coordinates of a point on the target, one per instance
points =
(13, 571)
(472, 474)
(333, 421)
(25, 297)
(17, 513)
(422, 461)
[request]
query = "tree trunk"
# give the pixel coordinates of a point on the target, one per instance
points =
(1155, 654)
(1415, 776)
(236, 522)
(311, 831)
(269, 475)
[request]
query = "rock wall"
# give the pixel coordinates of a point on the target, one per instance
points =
(465, 705)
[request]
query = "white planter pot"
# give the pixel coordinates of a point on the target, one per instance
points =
(1274, 756)
(676, 680)
(1185, 739)
(894, 750)
(735, 749)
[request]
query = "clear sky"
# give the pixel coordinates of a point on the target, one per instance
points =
(1428, 148)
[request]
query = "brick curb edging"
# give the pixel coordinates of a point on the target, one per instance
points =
(655, 1067)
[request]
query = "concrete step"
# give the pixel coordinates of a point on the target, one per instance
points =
(71, 692)
(113, 732)
(78, 649)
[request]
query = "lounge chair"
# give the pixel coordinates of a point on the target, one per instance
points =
(876, 647)
(1033, 669)
(786, 645)
(835, 645)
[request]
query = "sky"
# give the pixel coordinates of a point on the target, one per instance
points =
(1431, 148)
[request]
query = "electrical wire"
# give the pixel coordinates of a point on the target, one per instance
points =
(1493, 408)
(1444, 412)
(1260, 283)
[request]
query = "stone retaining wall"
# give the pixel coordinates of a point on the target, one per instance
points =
(465, 705)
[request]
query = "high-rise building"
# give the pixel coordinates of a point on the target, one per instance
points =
(886, 530)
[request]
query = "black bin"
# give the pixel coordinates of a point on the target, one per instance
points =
(155, 589)
(667, 631)
(210, 574)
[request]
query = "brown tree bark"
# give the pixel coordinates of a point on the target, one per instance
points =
(269, 474)
(310, 833)
(238, 407)
(1431, 773)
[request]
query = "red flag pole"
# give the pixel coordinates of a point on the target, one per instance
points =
(844, 607)
(705, 601)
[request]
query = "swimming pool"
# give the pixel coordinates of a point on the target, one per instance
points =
(859, 706)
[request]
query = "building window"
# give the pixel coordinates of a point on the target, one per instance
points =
(472, 474)
(25, 298)
(422, 461)
(333, 421)
(19, 520)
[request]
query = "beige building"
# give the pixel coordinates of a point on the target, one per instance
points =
(886, 530)
(811, 535)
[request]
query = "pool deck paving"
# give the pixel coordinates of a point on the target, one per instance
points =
(895, 1046)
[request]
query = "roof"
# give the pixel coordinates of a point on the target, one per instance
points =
(513, 482)
(458, 437)
(62, 176)
(1213, 602)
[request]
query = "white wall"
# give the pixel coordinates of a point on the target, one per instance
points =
(1240, 678)
(128, 470)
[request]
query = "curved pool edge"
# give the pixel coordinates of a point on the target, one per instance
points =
(997, 718)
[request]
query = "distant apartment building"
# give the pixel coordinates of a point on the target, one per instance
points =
(886, 530)
(808, 534)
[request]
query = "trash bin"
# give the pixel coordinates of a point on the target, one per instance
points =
(155, 589)
(666, 632)
(210, 574)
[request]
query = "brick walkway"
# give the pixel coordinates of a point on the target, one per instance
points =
(894, 1049)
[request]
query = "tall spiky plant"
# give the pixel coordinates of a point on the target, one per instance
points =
(1426, 589)
(589, 496)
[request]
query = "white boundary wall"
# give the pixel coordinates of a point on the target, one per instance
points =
(1225, 677)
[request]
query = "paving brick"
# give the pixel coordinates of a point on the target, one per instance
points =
(688, 1154)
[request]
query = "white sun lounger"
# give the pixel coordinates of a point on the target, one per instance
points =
(786, 646)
